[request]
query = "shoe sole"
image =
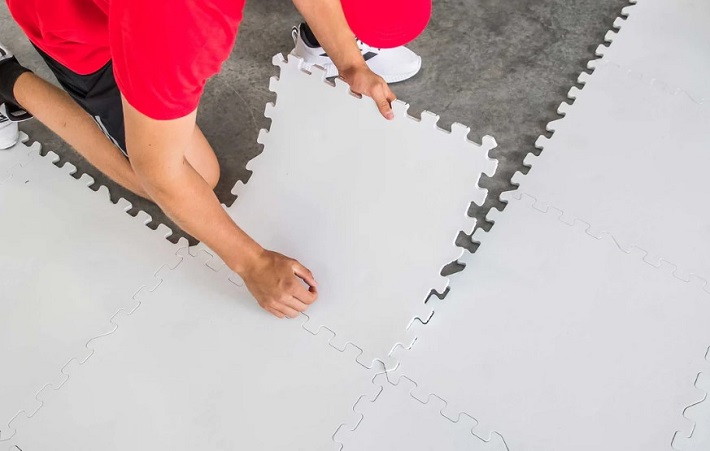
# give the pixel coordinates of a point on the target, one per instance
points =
(332, 71)
(406, 76)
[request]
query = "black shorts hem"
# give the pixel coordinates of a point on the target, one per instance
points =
(97, 93)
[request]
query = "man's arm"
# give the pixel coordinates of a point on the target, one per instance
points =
(157, 150)
(326, 19)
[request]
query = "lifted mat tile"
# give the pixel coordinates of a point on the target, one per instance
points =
(372, 207)
(631, 159)
(70, 259)
(201, 366)
(395, 420)
(559, 341)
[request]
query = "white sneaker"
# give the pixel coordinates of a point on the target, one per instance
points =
(397, 64)
(10, 110)
(9, 132)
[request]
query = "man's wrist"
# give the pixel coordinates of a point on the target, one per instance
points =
(349, 71)
(245, 257)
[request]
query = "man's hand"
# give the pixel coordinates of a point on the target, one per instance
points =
(276, 281)
(326, 19)
(363, 81)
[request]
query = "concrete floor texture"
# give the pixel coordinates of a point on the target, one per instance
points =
(501, 68)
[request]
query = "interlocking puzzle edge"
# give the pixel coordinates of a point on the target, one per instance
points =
(34, 157)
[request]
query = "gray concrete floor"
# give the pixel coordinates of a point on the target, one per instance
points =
(501, 67)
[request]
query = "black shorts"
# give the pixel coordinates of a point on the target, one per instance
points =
(98, 94)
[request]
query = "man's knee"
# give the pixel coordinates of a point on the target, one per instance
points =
(202, 157)
(211, 174)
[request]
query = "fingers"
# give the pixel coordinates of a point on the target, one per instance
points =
(382, 96)
(292, 305)
(304, 296)
(282, 311)
(305, 274)
(289, 312)
(274, 312)
(368, 83)
(279, 289)
(389, 94)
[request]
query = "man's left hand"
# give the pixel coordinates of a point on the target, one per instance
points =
(363, 81)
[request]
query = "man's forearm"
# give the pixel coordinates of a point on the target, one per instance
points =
(189, 201)
(326, 19)
(158, 150)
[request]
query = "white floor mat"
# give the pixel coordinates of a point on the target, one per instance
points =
(557, 340)
(667, 41)
(70, 259)
(200, 366)
(395, 420)
(699, 414)
(630, 158)
(15, 156)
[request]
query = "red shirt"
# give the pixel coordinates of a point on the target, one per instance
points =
(163, 51)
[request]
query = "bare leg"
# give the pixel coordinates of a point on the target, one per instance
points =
(61, 114)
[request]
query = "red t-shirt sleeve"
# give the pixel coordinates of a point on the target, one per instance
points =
(164, 51)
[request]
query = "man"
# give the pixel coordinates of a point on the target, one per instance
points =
(139, 69)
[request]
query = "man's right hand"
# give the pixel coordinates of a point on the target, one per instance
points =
(277, 283)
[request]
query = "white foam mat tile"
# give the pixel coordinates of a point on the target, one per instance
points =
(70, 259)
(667, 41)
(631, 159)
(199, 365)
(372, 207)
(557, 340)
(699, 414)
(16, 156)
(396, 420)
